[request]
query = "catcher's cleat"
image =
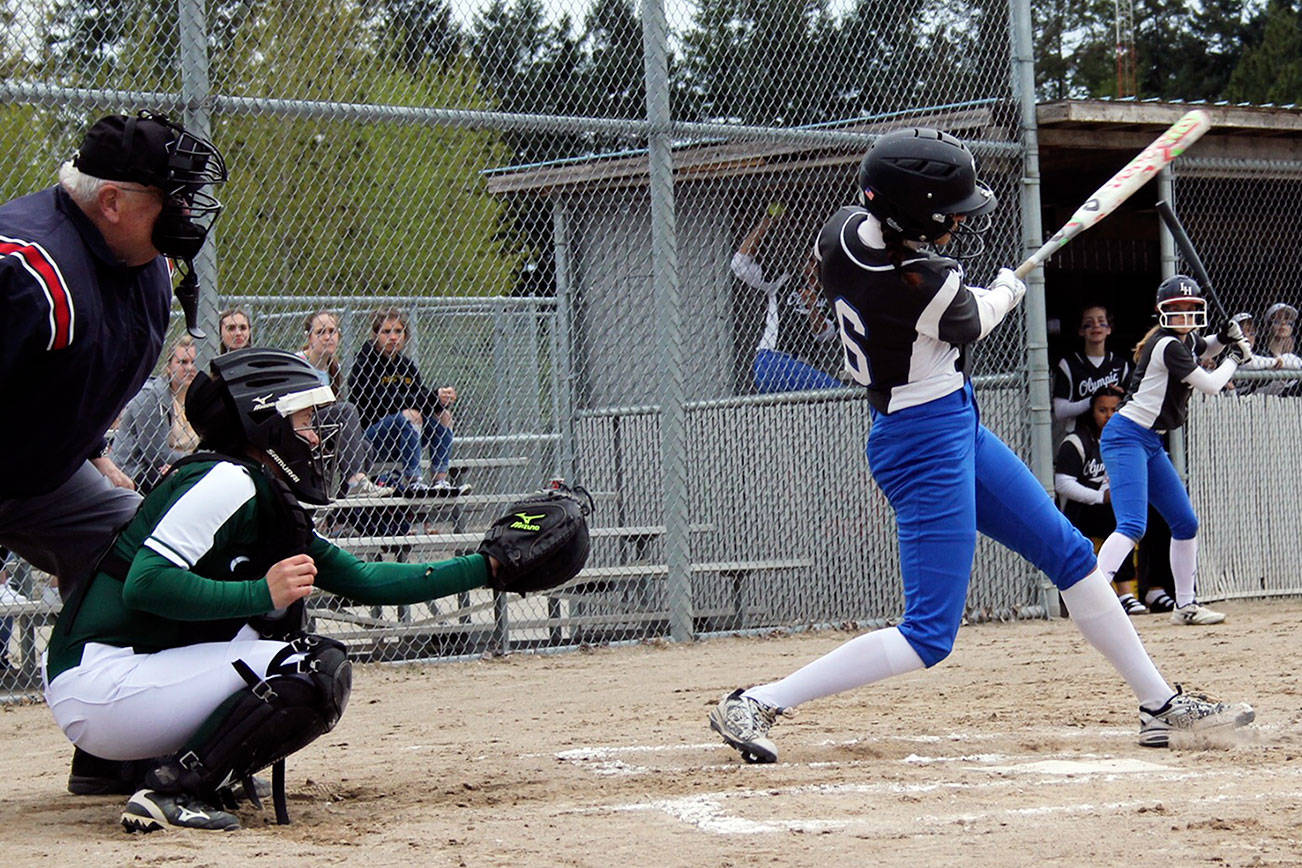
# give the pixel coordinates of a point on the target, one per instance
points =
(1196, 615)
(95, 776)
(744, 724)
(150, 810)
(1189, 712)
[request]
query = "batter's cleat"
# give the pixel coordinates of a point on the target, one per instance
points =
(744, 724)
(150, 810)
(1196, 615)
(1189, 712)
(1131, 604)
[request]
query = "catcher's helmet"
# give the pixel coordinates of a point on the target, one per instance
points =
(1180, 288)
(150, 149)
(246, 399)
(915, 181)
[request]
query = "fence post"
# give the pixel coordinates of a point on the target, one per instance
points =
(1035, 312)
(563, 365)
(664, 271)
(196, 91)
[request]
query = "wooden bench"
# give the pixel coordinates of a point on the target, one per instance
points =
(406, 548)
(630, 588)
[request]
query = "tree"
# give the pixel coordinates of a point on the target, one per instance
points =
(612, 70)
(761, 61)
(419, 33)
(1270, 71)
(1187, 52)
(333, 207)
(1075, 49)
(527, 65)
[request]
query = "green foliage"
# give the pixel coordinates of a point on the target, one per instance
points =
(331, 207)
(1271, 70)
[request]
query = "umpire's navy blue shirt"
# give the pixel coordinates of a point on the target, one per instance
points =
(79, 333)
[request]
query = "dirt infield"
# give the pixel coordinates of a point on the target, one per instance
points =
(1019, 750)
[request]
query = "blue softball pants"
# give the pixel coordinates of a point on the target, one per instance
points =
(947, 477)
(779, 372)
(1140, 472)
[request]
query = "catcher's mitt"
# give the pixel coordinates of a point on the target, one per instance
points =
(541, 542)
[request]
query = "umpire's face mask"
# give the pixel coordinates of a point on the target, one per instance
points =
(184, 222)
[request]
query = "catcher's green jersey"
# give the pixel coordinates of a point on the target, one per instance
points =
(190, 546)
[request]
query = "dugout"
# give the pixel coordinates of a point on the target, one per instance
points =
(1238, 190)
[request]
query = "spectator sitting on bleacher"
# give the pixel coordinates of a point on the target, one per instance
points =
(320, 348)
(153, 431)
(234, 327)
(398, 413)
(1277, 342)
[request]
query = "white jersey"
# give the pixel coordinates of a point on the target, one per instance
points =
(1159, 389)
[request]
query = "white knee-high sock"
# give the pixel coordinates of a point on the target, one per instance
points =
(1184, 569)
(1113, 553)
(1101, 620)
(863, 660)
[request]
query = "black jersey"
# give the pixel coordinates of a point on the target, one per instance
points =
(904, 326)
(1079, 457)
(1158, 395)
(1077, 377)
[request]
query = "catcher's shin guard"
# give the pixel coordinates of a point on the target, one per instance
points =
(263, 723)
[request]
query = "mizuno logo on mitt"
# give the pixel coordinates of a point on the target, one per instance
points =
(524, 521)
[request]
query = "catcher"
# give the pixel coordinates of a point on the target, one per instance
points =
(186, 650)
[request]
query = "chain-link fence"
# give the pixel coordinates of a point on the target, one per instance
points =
(593, 221)
(1241, 443)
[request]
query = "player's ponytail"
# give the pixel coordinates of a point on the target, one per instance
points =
(1139, 347)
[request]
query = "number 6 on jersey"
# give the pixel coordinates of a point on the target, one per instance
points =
(853, 338)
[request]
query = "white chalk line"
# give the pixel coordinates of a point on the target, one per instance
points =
(709, 812)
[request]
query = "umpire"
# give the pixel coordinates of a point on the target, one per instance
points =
(85, 296)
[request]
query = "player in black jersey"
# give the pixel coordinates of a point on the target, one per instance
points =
(906, 316)
(1082, 373)
(1138, 467)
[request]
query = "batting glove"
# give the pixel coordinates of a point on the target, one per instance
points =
(1241, 351)
(1229, 333)
(1007, 280)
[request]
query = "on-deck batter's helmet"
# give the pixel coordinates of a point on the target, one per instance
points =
(150, 149)
(246, 399)
(1180, 288)
(916, 181)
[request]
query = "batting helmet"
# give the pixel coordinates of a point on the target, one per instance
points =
(916, 181)
(1181, 288)
(247, 398)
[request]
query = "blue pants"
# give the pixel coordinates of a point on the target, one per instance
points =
(779, 372)
(947, 477)
(1140, 472)
(394, 438)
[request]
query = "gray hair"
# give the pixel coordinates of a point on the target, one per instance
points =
(81, 187)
